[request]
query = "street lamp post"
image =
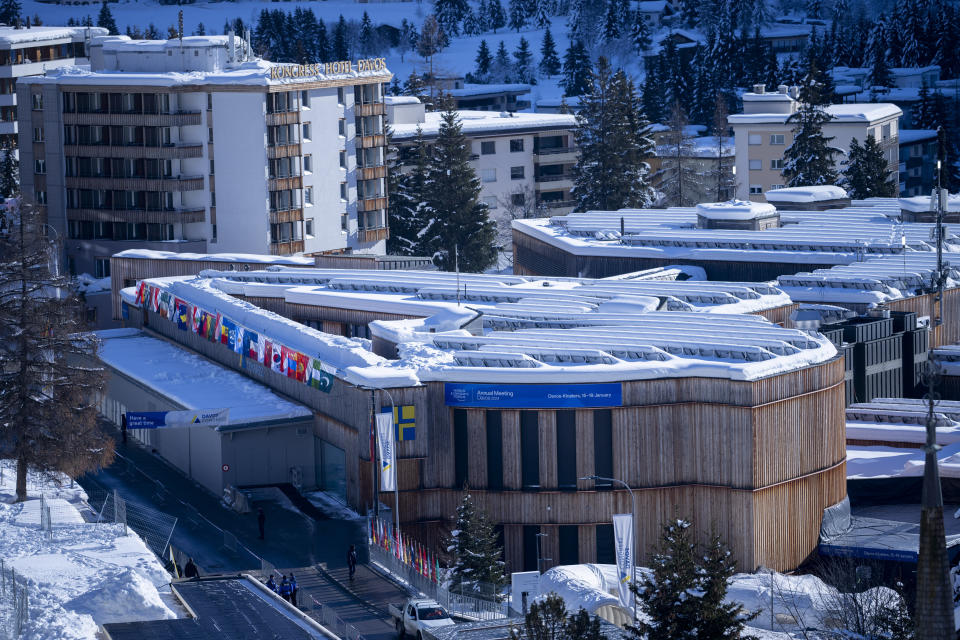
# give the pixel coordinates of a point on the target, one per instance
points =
(540, 557)
(633, 516)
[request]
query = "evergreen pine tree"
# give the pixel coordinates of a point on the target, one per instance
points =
(678, 179)
(322, 43)
(405, 198)
(524, 62)
(582, 626)
(9, 174)
(922, 116)
(483, 60)
(201, 30)
(611, 23)
(663, 595)
(453, 196)
(720, 620)
(341, 49)
(478, 557)
(105, 19)
(366, 35)
(642, 38)
(546, 620)
(541, 17)
(502, 69)
(549, 62)
(497, 17)
(576, 70)
(415, 86)
(151, 28)
(471, 26)
(10, 11)
(653, 98)
(723, 177)
(813, 8)
(866, 174)
(808, 160)
(613, 137)
(483, 16)
(448, 14)
(518, 15)
(895, 622)
(689, 12)
(877, 52)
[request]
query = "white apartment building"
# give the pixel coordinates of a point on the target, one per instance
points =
(762, 133)
(128, 152)
(30, 52)
(524, 160)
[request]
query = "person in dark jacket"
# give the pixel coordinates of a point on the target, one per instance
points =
(285, 590)
(272, 585)
(352, 559)
(293, 590)
(190, 570)
(261, 520)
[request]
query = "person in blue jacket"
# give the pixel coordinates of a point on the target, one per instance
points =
(272, 585)
(293, 590)
(285, 589)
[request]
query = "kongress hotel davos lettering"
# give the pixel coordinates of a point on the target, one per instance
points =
(340, 67)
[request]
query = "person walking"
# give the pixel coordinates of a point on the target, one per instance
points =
(293, 590)
(261, 520)
(190, 570)
(352, 560)
(272, 585)
(285, 588)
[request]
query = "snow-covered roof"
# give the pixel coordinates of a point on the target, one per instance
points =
(819, 193)
(119, 44)
(912, 136)
(902, 421)
(472, 90)
(918, 204)
(857, 112)
(191, 380)
(401, 100)
(735, 210)
(492, 122)
(14, 36)
(523, 329)
(150, 254)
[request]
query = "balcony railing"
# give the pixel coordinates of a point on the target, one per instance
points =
(174, 119)
(554, 178)
(163, 216)
(552, 151)
(176, 183)
(286, 248)
(558, 204)
(175, 151)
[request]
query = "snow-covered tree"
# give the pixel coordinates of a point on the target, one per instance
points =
(9, 11)
(614, 141)
(341, 47)
(678, 179)
(483, 60)
(524, 62)
(478, 558)
(809, 158)
(549, 62)
(461, 233)
(405, 200)
(366, 35)
(448, 14)
(653, 95)
(497, 18)
(877, 52)
(105, 19)
(518, 15)
(642, 37)
(867, 175)
(471, 24)
(576, 70)
(720, 620)
(502, 68)
(49, 379)
(9, 174)
(541, 14)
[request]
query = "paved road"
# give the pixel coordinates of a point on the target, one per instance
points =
(359, 602)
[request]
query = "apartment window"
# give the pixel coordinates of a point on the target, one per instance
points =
(886, 131)
(305, 99)
(37, 101)
(606, 553)
(568, 544)
(343, 222)
(756, 189)
(776, 164)
(488, 148)
(308, 227)
(755, 138)
(308, 195)
(213, 198)
(343, 190)
(494, 433)
(209, 134)
(41, 197)
(488, 175)
(340, 96)
(491, 202)
(342, 127)
(213, 233)
(343, 159)
(776, 138)
(516, 173)
(603, 446)
(756, 165)
(516, 145)
(102, 267)
(531, 547)
(518, 199)
(460, 453)
(40, 166)
(306, 131)
(38, 134)
(530, 449)
(211, 166)
(567, 449)
(209, 102)
(308, 163)
(774, 187)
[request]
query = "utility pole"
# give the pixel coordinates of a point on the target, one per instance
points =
(934, 612)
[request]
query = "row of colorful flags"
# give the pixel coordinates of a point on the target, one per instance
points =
(217, 327)
(406, 549)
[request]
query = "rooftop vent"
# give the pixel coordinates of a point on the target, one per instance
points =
(782, 89)
(759, 88)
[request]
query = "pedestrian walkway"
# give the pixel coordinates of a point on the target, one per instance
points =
(343, 610)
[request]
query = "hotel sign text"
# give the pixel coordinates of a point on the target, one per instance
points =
(327, 68)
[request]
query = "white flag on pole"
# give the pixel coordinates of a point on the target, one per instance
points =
(623, 541)
(388, 458)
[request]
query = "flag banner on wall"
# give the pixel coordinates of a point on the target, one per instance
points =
(295, 364)
(208, 322)
(155, 299)
(273, 357)
(162, 419)
(388, 460)
(623, 541)
(227, 328)
(164, 305)
(141, 292)
(182, 314)
(319, 378)
(195, 318)
(405, 422)
(254, 345)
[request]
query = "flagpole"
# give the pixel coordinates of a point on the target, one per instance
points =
(396, 489)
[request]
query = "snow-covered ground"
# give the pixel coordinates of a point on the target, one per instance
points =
(82, 574)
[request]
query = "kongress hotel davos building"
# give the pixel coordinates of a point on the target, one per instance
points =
(128, 151)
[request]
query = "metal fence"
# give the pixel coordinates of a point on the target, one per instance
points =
(155, 527)
(461, 604)
(14, 600)
(328, 617)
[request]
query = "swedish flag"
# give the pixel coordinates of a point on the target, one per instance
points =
(405, 422)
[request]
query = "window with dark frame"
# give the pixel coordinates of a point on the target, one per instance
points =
(460, 445)
(529, 450)
(494, 432)
(567, 449)
(603, 446)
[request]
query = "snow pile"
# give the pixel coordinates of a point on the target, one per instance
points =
(79, 575)
(804, 195)
(735, 210)
(87, 284)
(589, 586)
(57, 485)
(149, 254)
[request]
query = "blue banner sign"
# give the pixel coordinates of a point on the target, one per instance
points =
(532, 396)
(163, 419)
